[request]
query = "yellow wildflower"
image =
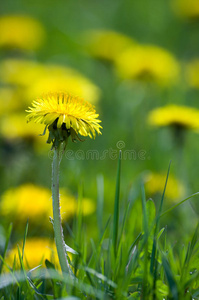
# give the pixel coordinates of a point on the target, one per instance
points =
(106, 44)
(13, 126)
(149, 63)
(186, 8)
(41, 78)
(8, 100)
(34, 202)
(88, 206)
(192, 73)
(68, 80)
(181, 116)
(154, 184)
(26, 201)
(21, 32)
(36, 251)
(12, 71)
(65, 115)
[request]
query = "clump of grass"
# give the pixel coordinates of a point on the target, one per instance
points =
(124, 263)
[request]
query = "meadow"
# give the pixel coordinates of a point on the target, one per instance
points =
(126, 175)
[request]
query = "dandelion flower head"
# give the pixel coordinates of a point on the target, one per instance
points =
(154, 184)
(107, 44)
(33, 202)
(21, 32)
(26, 201)
(8, 100)
(65, 115)
(13, 126)
(37, 250)
(175, 115)
(186, 9)
(148, 63)
(41, 78)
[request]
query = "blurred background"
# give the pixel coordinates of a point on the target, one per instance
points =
(138, 63)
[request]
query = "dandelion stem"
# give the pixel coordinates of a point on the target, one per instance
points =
(58, 231)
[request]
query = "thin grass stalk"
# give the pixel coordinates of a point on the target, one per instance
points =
(146, 235)
(116, 207)
(154, 249)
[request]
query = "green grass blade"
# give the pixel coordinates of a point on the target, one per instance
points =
(123, 223)
(24, 239)
(170, 209)
(101, 277)
(100, 202)
(152, 265)
(6, 246)
(155, 277)
(11, 273)
(116, 207)
(104, 231)
(22, 264)
(144, 211)
(162, 199)
(145, 228)
(170, 278)
(135, 242)
(78, 220)
(189, 253)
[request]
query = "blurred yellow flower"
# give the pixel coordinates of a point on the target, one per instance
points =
(68, 80)
(154, 184)
(13, 126)
(106, 44)
(192, 73)
(21, 32)
(71, 114)
(181, 116)
(88, 206)
(26, 201)
(41, 78)
(186, 8)
(148, 63)
(34, 202)
(36, 251)
(12, 71)
(8, 100)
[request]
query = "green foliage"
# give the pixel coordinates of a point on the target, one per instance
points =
(118, 266)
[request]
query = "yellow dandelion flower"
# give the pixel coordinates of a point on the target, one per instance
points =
(88, 206)
(106, 44)
(154, 184)
(189, 9)
(65, 115)
(12, 71)
(192, 73)
(33, 202)
(14, 126)
(36, 251)
(148, 63)
(175, 115)
(8, 100)
(68, 80)
(21, 32)
(26, 201)
(41, 78)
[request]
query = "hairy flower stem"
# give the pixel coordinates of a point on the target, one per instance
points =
(58, 231)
